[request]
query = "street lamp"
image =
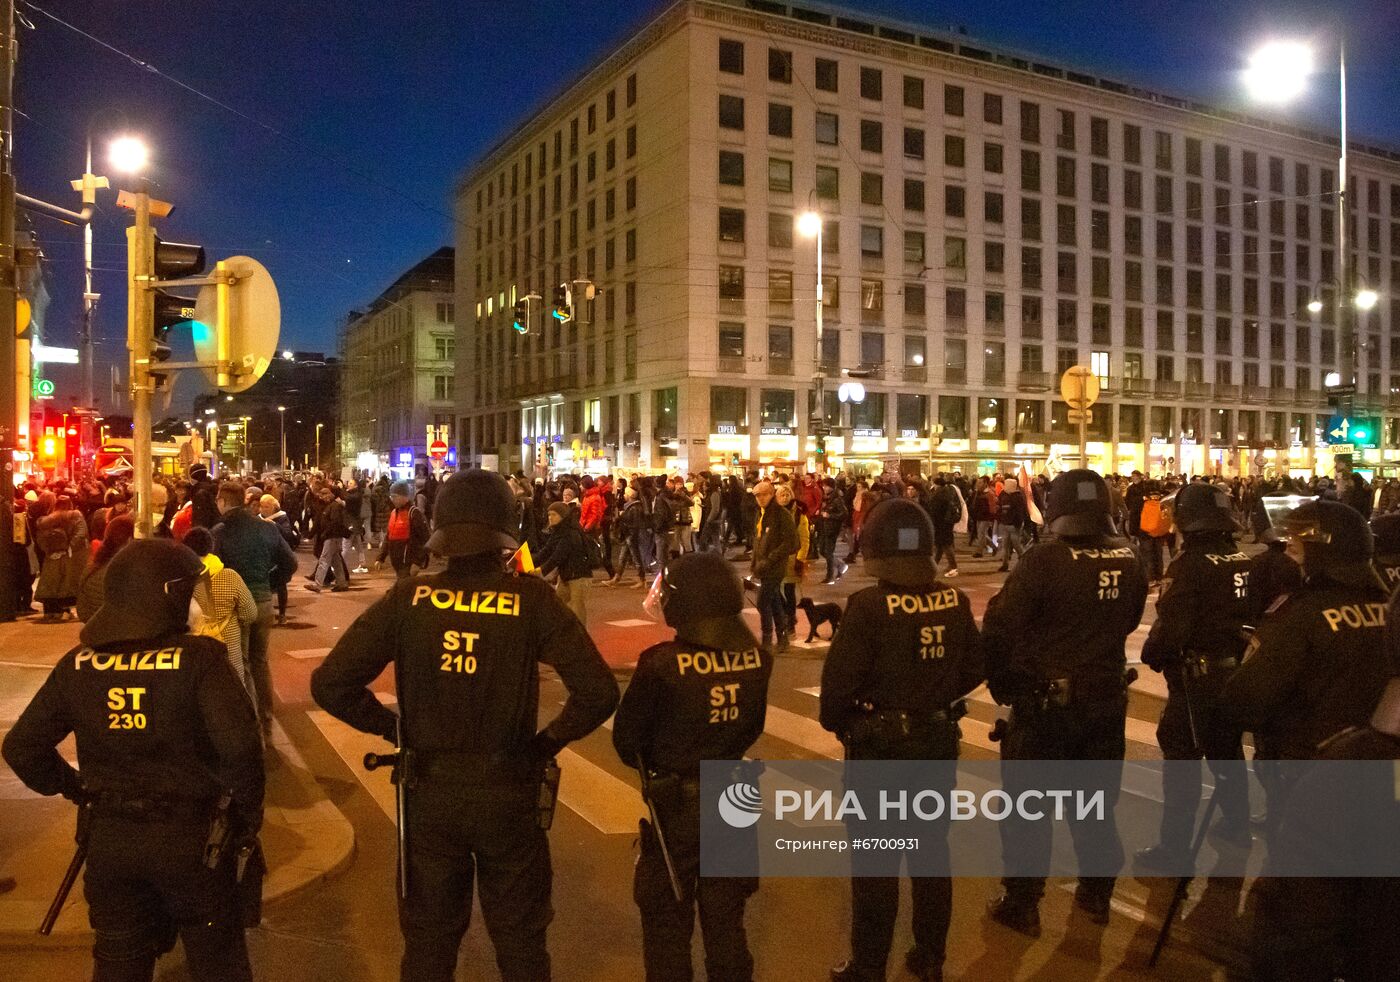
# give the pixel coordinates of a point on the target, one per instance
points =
(247, 455)
(318, 445)
(128, 154)
(1278, 71)
(282, 417)
(1366, 298)
(809, 224)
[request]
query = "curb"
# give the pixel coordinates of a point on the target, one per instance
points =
(306, 837)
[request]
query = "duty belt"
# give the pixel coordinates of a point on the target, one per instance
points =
(153, 808)
(474, 768)
(1064, 692)
(902, 722)
(1199, 666)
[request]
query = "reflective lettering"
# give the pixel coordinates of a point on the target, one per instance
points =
(153, 660)
(717, 662)
(473, 602)
(924, 603)
(1355, 616)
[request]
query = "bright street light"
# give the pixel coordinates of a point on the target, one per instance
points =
(809, 223)
(1278, 72)
(288, 355)
(128, 154)
(1366, 299)
(1331, 379)
(1315, 306)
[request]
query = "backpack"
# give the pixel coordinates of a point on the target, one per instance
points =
(949, 505)
(1154, 520)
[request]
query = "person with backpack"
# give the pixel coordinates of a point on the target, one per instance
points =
(226, 606)
(1154, 526)
(566, 552)
(270, 511)
(946, 511)
(405, 532)
(830, 519)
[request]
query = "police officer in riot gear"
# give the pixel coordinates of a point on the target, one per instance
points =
(1196, 642)
(1272, 573)
(170, 764)
(703, 696)
(1386, 529)
(906, 653)
(1055, 638)
(466, 644)
(1317, 662)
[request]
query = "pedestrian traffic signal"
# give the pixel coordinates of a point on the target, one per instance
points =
(562, 304)
(521, 320)
(171, 260)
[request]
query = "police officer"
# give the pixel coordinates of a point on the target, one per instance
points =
(466, 644)
(1272, 573)
(703, 696)
(906, 652)
(1055, 639)
(170, 763)
(1196, 642)
(1386, 529)
(1317, 662)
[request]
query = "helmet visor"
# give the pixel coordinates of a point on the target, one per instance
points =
(1284, 516)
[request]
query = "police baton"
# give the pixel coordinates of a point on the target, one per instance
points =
(75, 865)
(1184, 882)
(656, 828)
(400, 775)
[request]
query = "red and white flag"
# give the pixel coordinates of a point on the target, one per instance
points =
(1024, 479)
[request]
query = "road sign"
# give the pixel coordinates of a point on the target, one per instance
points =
(1341, 448)
(43, 388)
(252, 315)
(1079, 415)
(437, 450)
(1355, 431)
(1079, 387)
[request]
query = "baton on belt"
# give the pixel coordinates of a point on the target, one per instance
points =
(70, 875)
(656, 827)
(400, 760)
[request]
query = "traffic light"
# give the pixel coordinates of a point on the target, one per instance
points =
(171, 260)
(562, 311)
(521, 320)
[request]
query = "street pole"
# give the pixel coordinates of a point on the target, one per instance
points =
(1084, 439)
(282, 414)
(820, 377)
(140, 262)
(89, 185)
(1346, 325)
(318, 445)
(9, 425)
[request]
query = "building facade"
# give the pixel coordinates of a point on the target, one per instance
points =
(988, 222)
(398, 359)
(298, 396)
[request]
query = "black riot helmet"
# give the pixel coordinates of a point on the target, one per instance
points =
(1337, 543)
(1203, 507)
(1386, 529)
(146, 593)
(1077, 504)
(896, 540)
(702, 597)
(474, 512)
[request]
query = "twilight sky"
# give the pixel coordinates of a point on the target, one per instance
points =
(347, 122)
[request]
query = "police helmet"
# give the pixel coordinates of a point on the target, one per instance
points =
(1386, 529)
(1336, 540)
(1077, 504)
(145, 594)
(474, 512)
(702, 597)
(896, 540)
(1203, 508)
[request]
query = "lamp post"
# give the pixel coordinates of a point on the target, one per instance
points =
(1278, 73)
(318, 445)
(809, 223)
(247, 455)
(282, 418)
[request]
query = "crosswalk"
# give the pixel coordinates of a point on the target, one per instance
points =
(603, 792)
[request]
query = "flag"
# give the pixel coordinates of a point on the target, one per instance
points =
(1024, 479)
(521, 561)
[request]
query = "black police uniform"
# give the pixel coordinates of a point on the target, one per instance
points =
(701, 697)
(1323, 928)
(466, 644)
(904, 655)
(1272, 574)
(687, 703)
(1386, 529)
(1055, 638)
(1196, 642)
(165, 731)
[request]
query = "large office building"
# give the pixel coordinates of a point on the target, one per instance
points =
(988, 222)
(399, 373)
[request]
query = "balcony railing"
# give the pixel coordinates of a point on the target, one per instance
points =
(916, 373)
(1139, 388)
(1227, 392)
(1198, 390)
(731, 365)
(779, 366)
(1254, 394)
(1163, 388)
(1033, 381)
(955, 374)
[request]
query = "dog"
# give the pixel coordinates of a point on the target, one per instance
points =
(819, 614)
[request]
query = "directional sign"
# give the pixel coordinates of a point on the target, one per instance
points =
(1358, 431)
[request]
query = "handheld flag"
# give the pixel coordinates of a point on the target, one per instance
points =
(1024, 479)
(521, 561)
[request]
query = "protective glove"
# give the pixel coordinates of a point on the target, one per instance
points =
(543, 746)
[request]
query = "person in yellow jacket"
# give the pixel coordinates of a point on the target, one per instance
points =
(797, 565)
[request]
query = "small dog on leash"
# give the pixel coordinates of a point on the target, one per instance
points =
(819, 614)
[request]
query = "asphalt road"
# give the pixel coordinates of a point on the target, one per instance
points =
(345, 929)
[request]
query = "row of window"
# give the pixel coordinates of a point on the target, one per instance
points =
(826, 78)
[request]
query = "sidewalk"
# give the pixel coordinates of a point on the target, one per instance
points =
(304, 836)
